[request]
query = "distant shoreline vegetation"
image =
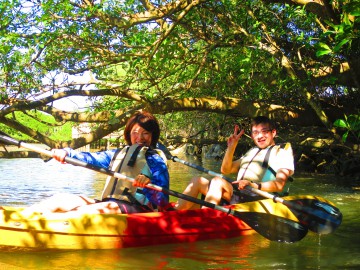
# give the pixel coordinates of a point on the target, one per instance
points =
(43, 123)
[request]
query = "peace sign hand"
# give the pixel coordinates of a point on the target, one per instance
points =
(234, 138)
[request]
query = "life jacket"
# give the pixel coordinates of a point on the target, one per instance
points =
(271, 171)
(258, 165)
(269, 175)
(129, 161)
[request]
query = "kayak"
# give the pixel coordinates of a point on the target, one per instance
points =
(286, 221)
(76, 230)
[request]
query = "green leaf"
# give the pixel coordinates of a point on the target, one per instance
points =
(353, 8)
(340, 44)
(354, 122)
(340, 123)
(323, 49)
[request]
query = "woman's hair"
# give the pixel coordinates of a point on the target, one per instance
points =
(263, 120)
(148, 122)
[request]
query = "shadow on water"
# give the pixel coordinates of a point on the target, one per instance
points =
(26, 181)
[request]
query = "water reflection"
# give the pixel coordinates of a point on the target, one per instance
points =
(26, 181)
(250, 252)
(224, 254)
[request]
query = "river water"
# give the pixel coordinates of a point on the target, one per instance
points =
(27, 181)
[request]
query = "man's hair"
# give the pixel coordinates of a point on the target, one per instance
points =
(147, 121)
(263, 120)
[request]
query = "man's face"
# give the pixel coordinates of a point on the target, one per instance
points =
(262, 135)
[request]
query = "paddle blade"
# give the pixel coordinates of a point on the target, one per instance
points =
(318, 216)
(273, 227)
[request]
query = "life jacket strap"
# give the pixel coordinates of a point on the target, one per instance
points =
(132, 160)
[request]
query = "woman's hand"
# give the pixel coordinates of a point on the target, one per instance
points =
(141, 181)
(59, 154)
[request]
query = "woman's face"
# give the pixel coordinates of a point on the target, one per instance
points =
(140, 136)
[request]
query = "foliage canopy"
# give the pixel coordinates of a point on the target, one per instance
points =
(295, 61)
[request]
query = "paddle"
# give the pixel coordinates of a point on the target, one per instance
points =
(272, 227)
(318, 216)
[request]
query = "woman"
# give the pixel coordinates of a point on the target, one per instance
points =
(139, 160)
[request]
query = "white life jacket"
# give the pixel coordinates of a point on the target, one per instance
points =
(131, 162)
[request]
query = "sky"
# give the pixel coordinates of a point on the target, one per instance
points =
(71, 104)
(75, 103)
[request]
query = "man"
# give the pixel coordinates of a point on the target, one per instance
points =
(266, 166)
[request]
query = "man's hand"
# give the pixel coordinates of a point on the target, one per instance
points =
(234, 138)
